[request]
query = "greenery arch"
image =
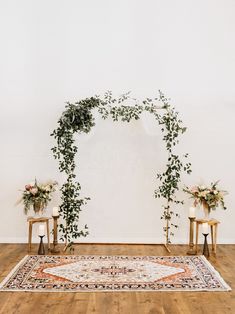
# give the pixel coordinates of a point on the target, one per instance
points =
(78, 118)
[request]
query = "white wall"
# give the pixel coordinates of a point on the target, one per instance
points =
(54, 51)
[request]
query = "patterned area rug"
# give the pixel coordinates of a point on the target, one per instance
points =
(73, 273)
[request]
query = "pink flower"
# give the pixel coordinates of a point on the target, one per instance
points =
(194, 189)
(27, 187)
(34, 191)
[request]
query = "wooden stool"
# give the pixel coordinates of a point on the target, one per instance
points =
(31, 221)
(213, 223)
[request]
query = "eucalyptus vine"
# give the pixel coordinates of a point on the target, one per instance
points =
(78, 118)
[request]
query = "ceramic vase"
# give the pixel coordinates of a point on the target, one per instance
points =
(206, 210)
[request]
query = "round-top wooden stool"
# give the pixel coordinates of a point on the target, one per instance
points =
(33, 220)
(213, 223)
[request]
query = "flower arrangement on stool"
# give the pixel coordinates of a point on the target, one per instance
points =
(38, 196)
(209, 197)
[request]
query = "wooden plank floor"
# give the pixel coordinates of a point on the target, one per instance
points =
(120, 302)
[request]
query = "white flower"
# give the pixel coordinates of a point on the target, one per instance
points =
(203, 194)
(48, 188)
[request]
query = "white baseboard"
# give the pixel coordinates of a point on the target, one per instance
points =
(111, 240)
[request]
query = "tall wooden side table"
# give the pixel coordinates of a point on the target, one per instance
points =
(213, 223)
(32, 221)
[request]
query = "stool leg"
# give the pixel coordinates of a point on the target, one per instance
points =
(212, 238)
(48, 235)
(197, 227)
(30, 236)
(215, 238)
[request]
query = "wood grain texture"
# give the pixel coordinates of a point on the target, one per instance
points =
(120, 302)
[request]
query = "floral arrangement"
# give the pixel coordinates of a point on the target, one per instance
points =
(37, 195)
(210, 197)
